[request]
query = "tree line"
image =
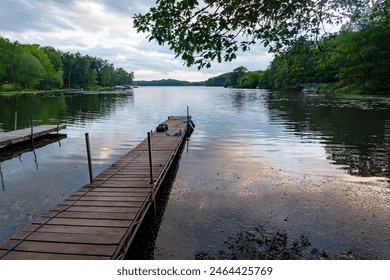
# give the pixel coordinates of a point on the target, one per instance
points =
(240, 78)
(357, 59)
(31, 66)
(167, 82)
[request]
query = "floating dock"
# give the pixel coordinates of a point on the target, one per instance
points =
(100, 220)
(27, 134)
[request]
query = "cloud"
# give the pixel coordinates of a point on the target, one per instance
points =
(21, 16)
(104, 29)
(128, 7)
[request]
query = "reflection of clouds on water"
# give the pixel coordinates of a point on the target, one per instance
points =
(104, 153)
(336, 214)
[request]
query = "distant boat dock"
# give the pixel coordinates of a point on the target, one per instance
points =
(100, 220)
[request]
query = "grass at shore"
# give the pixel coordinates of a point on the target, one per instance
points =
(9, 89)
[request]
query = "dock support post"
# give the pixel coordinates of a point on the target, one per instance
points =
(16, 120)
(32, 131)
(89, 158)
(150, 159)
(58, 134)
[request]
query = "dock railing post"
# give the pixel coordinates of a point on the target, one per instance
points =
(89, 158)
(150, 160)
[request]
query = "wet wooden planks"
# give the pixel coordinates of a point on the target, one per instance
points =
(22, 135)
(100, 220)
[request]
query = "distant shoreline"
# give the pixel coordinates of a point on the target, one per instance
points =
(167, 82)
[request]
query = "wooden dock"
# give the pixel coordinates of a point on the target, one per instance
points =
(27, 134)
(100, 220)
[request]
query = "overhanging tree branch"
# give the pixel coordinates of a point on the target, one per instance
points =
(201, 31)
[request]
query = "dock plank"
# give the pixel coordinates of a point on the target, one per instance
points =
(85, 222)
(74, 229)
(108, 197)
(98, 209)
(15, 255)
(81, 238)
(104, 203)
(113, 193)
(64, 248)
(90, 215)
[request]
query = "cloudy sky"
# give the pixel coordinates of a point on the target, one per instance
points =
(104, 29)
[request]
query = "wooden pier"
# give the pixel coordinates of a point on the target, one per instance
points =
(27, 134)
(100, 220)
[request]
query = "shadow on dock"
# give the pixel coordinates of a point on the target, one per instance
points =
(144, 242)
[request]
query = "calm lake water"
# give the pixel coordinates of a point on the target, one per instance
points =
(313, 169)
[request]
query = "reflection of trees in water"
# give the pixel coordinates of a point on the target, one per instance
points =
(82, 107)
(241, 97)
(41, 108)
(47, 108)
(369, 163)
(355, 131)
